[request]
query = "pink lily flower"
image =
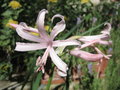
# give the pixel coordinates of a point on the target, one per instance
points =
(102, 38)
(90, 41)
(44, 41)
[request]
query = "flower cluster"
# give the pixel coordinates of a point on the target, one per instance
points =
(45, 41)
(95, 2)
(84, 1)
(14, 4)
(54, 1)
(91, 41)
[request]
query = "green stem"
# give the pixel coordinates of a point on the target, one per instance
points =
(50, 79)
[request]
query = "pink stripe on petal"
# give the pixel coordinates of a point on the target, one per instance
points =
(14, 25)
(24, 34)
(57, 61)
(60, 43)
(86, 56)
(59, 27)
(29, 46)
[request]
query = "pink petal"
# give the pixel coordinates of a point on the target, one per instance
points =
(40, 19)
(23, 24)
(38, 60)
(40, 23)
(41, 68)
(30, 29)
(24, 34)
(107, 29)
(41, 62)
(60, 43)
(14, 25)
(29, 46)
(97, 41)
(86, 56)
(93, 37)
(98, 51)
(59, 27)
(105, 42)
(89, 43)
(44, 57)
(60, 73)
(57, 61)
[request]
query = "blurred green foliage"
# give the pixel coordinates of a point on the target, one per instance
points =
(5, 70)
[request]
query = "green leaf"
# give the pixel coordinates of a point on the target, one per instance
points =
(50, 78)
(7, 13)
(4, 5)
(92, 29)
(37, 81)
(3, 37)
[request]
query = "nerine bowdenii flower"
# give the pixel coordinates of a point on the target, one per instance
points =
(91, 41)
(44, 41)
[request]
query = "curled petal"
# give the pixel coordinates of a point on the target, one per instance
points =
(60, 43)
(40, 19)
(86, 56)
(25, 27)
(104, 36)
(107, 29)
(57, 61)
(59, 27)
(24, 34)
(23, 24)
(40, 23)
(29, 46)
(29, 28)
